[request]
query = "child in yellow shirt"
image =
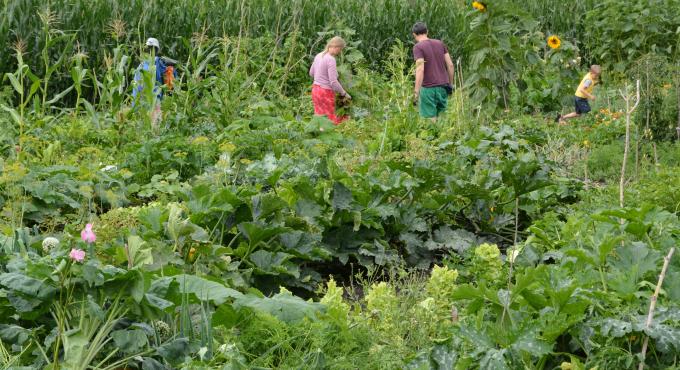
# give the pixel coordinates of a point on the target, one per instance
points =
(583, 93)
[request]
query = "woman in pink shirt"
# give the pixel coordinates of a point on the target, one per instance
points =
(325, 74)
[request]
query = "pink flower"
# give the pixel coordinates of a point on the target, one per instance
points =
(88, 235)
(77, 255)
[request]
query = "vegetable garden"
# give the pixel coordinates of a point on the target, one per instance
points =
(243, 232)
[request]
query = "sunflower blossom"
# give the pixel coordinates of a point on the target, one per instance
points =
(479, 6)
(554, 42)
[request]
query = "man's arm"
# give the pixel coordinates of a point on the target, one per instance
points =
(420, 74)
(449, 67)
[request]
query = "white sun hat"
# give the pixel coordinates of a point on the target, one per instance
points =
(153, 42)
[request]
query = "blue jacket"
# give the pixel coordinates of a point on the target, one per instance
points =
(160, 71)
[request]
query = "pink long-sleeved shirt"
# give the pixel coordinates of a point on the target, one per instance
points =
(325, 73)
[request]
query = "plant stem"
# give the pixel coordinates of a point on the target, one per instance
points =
(604, 281)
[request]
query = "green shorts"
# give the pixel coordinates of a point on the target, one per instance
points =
(432, 101)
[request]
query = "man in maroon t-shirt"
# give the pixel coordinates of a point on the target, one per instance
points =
(434, 73)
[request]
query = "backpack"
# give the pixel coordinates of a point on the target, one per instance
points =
(169, 73)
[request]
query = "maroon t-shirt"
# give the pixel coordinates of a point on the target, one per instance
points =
(432, 51)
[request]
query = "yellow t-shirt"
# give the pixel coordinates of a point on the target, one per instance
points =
(587, 84)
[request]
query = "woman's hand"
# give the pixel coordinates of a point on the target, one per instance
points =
(347, 96)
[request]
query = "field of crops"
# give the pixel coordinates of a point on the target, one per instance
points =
(241, 231)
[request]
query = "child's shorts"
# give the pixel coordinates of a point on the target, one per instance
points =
(582, 106)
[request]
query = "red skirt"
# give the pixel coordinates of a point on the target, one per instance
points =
(324, 104)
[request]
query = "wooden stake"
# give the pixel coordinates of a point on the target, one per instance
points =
(652, 305)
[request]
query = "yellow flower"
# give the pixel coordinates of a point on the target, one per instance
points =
(200, 140)
(566, 366)
(227, 147)
(554, 42)
(479, 6)
(586, 143)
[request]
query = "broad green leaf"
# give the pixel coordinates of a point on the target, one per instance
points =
(342, 197)
(75, 348)
(478, 339)
(420, 362)
(14, 334)
(530, 343)
(667, 337)
(257, 232)
(137, 253)
(458, 240)
(138, 286)
(672, 284)
(177, 350)
(23, 304)
(227, 316)
(468, 291)
(284, 306)
(130, 341)
(615, 328)
(153, 218)
(95, 310)
(157, 302)
(308, 210)
(607, 245)
(27, 285)
(453, 240)
(205, 290)
(494, 359)
(92, 273)
(444, 357)
(264, 205)
(274, 263)
(631, 264)
(149, 363)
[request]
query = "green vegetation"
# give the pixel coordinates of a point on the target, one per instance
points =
(242, 232)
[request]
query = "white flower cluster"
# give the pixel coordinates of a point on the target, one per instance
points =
(163, 329)
(49, 243)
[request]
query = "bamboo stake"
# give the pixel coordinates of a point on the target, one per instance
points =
(585, 171)
(652, 305)
(677, 89)
(629, 112)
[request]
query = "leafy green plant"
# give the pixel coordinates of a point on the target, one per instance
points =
(498, 38)
(624, 33)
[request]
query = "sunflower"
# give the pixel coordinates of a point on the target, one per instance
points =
(554, 42)
(479, 6)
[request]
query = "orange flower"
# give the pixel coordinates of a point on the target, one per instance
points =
(554, 42)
